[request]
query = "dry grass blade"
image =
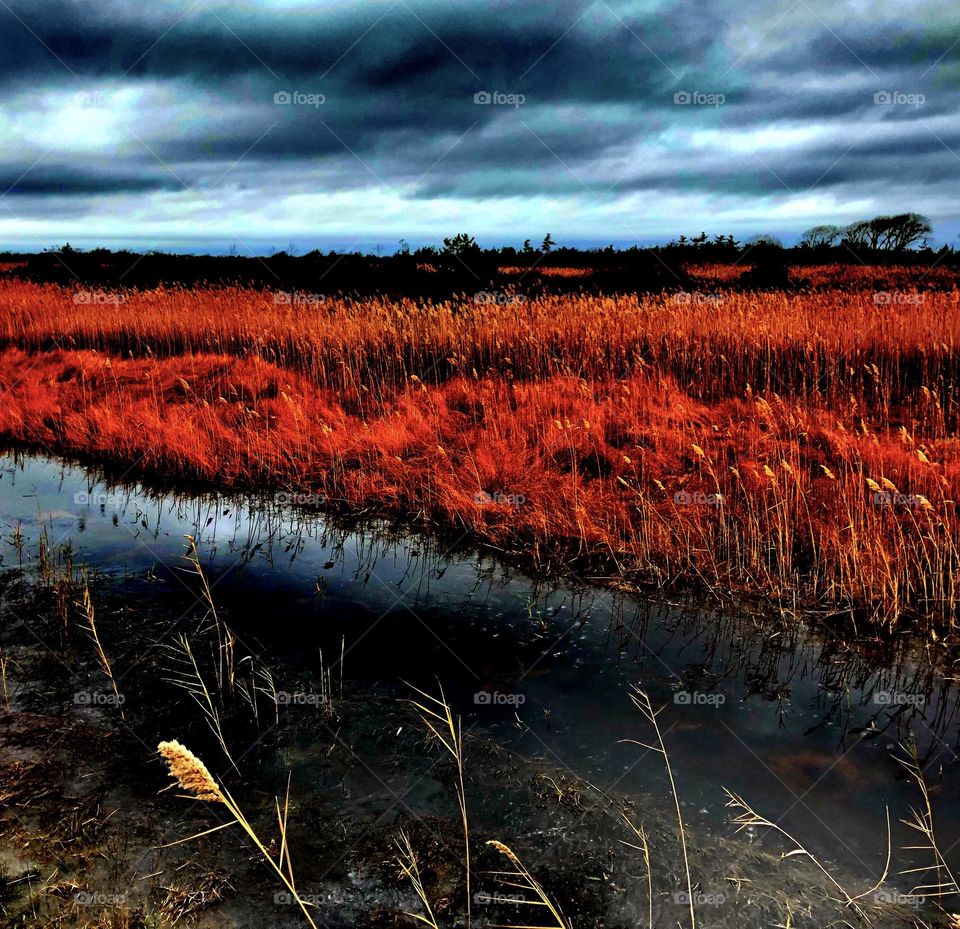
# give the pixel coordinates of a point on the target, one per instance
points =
(641, 700)
(438, 718)
(197, 782)
(522, 879)
(921, 821)
(410, 868)
(191, 680)
(644, 848)
(225, 637)
(749, 818)
(3, 679)
(90, 615)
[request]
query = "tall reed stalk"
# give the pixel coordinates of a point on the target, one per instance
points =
(439, 720)
(91, 619)
(198, 783)
(641, 700)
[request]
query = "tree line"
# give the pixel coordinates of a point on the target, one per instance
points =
(882, 233)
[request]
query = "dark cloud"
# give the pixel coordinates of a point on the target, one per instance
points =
(67, 180)
(190, 99)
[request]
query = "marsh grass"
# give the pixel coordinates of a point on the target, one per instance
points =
(260, 683)
(90, 617)
(57, 574)
(437, 716)
(748, 818)
(520, 878)
(194, 778)
(4, 658)
(597, 410)
(226, 640)
(328, 692)
(440, 722)
(187, 676)
(410, 868)
(641, 700)
(640, 834)
(944, 886)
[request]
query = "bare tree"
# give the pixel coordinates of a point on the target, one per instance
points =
(905, 230)
(818, 236)
(859, 234)
(889, 233)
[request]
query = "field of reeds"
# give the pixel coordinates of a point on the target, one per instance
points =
(797, 446)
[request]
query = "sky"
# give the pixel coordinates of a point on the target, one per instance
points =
(214, 125)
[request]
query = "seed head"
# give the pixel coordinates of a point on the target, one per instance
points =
(190, 772)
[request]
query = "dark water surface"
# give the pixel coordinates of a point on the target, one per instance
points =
(809, 733)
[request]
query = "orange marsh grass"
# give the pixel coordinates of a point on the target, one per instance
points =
(728, 444)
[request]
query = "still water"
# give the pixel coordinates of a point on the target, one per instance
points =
(808, 731)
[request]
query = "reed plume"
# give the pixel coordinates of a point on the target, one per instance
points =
(195, 779)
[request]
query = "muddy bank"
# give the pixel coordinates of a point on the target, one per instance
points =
(88, 812)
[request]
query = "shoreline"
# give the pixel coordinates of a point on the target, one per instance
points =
(835, 629)
(545, 802)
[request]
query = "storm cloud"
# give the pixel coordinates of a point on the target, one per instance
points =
(331, 123)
